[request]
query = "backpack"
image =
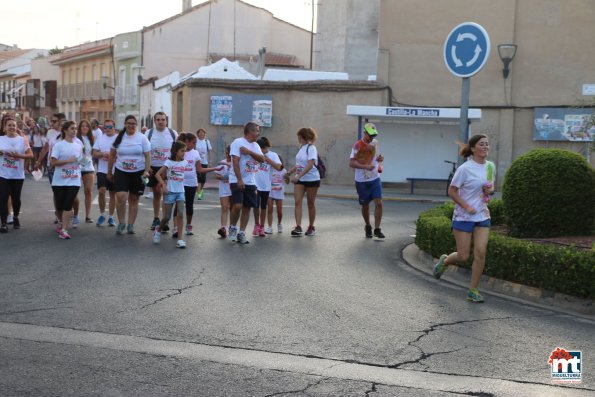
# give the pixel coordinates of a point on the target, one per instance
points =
(319, 164)
(150, 134)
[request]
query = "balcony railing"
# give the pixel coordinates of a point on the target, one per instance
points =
(91, 90)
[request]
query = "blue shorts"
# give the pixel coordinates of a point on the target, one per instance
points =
(173, 197)
(368, 191)
(465, 226)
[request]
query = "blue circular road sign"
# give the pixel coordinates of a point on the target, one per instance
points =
(466, 49)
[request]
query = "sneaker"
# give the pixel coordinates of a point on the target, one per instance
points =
(256, 231)
(181, 244)
(75, 221)
(111, 222)
(148, 195)
(56, 221)
(378, 233)
(10, 219)
(189, 231)
(200, 195)
(241, 238)
(121, 228)
(157, 236)
(261, 232)
(100, 220)
(222, 232)
(4, 228)
(473, 295)
(279, 228)
(15, 223)
(174, 233)
(297, 232)
(130, 229)
(165, 228)
(88, 220)
(63, 235)
(368, 230)
(268, 230)
(155, 223)
(311, 231)
(58, 228)
(440, 267)
(233, 234)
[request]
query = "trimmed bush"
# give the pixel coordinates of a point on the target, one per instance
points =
(564, 270)
(548, 193)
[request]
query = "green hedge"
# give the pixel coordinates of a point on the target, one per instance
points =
(564, 270)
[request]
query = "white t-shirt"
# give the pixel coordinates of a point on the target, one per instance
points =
(224, 189)
(190, 177)
(204, 146)
(87, 160)
(264, 175)
(52, 137)
(130, 154)
(366, 154)
(307, 152)
(470, 178)
(11, 167)
(104, 144)
(161, 142)
(67, 174)
(175, 175)
(278, 185)
(97, 133)
(37, 140)
(248, 166)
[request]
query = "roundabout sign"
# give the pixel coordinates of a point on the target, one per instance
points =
(466, 49)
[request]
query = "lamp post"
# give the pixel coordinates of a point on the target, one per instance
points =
(506, 53)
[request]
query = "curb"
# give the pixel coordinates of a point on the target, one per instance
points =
(567, 304)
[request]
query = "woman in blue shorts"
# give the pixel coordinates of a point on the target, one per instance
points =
(470, 189)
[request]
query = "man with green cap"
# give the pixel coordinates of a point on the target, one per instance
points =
(365, 158)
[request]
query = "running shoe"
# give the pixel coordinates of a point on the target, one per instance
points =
(165, 228)
(181, 244)
(174, 233)
(63, 235)
(201, 194)
(155, 223)
(256, 231)
(311, 231)
(130, 229)
(378, 233)
(4, 228)
(56, 221)
(242, 238)
(473, 295)
(100, 220)
(10, 219)
(189, 231)
(233, 234)
(111, 222)
(75, 221)
(368, 230)
(222, 232)
(58, 228)
(297, 232)
(148, 195)
(16, 224)
(121, 228)
(261, 232)
(156, 236)
(268, 230)
(88, 220)
(440, 267)
(279, 228)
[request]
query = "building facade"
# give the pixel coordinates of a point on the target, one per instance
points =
(127, 65)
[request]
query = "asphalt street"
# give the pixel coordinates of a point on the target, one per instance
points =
(330, 315)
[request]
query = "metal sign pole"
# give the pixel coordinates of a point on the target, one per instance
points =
(464, 121)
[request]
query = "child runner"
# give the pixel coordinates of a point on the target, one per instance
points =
(224, 191)
(173, 190)
(276, 198)
(263, 180)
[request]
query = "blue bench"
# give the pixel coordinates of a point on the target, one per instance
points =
(413, 180)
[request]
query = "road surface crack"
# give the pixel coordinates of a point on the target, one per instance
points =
(372, 390)
(304, 390)
(177, 291)
(35, 310)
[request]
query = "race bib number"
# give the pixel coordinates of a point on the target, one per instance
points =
(251, 166)
(299, 169)
(263, 167)
(70, 172)
(176, 174)
(160, 154)
(128, 164)
(105, 156)
(9, 162)
(190, 166)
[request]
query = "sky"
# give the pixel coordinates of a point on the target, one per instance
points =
(46, 24)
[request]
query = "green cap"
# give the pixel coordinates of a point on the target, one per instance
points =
(370, 129)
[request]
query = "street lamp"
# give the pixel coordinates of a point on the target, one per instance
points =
(506, 53)
(105, 79)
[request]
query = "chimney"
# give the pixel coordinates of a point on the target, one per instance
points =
(186, 5)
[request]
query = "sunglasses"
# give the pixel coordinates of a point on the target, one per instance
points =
(108, 127)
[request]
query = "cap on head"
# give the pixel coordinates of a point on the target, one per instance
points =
(370, 129)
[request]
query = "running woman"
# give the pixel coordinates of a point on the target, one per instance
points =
(203, 145)
(276, 198)
(13, 152)
(131, 155)
(85, 135)
(365, 158)
(66, 157)
(471, 186)
(263, 178)
(224, 191)
(101, 151)
(174, 193)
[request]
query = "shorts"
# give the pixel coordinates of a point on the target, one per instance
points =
(87, 172)
(308, 184)
(277, 194)
(466, 226)
(246, 197)
(51, 174)
(369, 191)
(152, 180)
(64, 197)
(130, 182)
(262, 199)
(224, 190)
(36, 150)
(173, 197)
(202, 177)
(103, 182)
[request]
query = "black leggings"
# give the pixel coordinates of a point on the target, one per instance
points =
(10, 188)
(189, 193)
(64, 197)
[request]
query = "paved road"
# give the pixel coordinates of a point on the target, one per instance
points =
(332, 315)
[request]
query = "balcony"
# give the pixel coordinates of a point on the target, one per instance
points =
(91, 90)
(126, 94)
